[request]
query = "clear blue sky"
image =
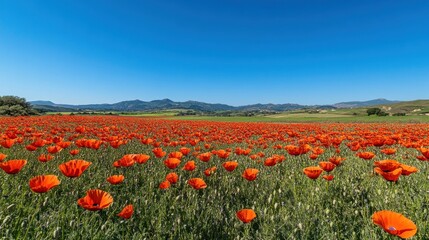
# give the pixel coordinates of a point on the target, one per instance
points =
(223, 51)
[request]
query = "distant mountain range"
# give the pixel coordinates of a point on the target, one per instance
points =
(355, 104)
(138, 105)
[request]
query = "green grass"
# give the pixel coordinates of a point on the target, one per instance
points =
(302, 117)
(287, 203)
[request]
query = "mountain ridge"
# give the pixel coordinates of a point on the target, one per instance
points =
(163, 104)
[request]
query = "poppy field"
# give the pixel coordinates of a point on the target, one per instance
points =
(112, 177)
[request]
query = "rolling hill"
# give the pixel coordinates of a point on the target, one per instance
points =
(165, 104)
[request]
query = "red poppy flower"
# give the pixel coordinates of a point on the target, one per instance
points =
(31, 148)
(116, 179)
(8, 143)
(313, 172)
(158, 152)
(45, 157)
(2, 157)
(127, 160)
(54, 149)
(407, 170)
(395, 223)
(185, 151)
(337, 160)
(391, 176)
(209, 171)
(13, 166)
(425, 152)
(246, 215)
(197, 183)
(222, 154)
(230, 165)
(271, 161)
(250, 174)
(126, 212)
(389, 151)
(74, 152)
(189, 166)
(387, 165)
(74, 168)
(366, 155)
(327, 166)
(173, 178)
(328, 177)
(172, 163)
(95, 199)
(141, 158)
(44, 183)
(205, 157)
(177, 155)
(164, 185)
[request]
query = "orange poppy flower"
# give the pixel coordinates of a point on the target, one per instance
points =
(250, 174)
(164, 185)
(222, 154)
(64, 144)
(189, 166)
(177, 155)
(327, 166)
(205, 157)
(43, 183)
(74, 168)
(313, 172)
(158, 152)
(337, 160)
(45, 157)
(74, 152)
(197, 183)
(54, 149)
(230, 165)
(31, 148)
(407, 170)
(209, 171)
(394, 223)
(2, 157)
(172, 163)
(366, 155)
(116, 164)
(328, 177)
(8, 143)
(141, 158)
(391, 176)
(116, 179)
(246, 215)
(271, 161)
(127, 160)
(95, 199)
(425, 152)
(173, 178)
(387, 165)
(13, 166)
(126, 212)
(185, 151)
(389, 151)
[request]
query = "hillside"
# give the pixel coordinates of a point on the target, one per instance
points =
(167, 104)
(416, 107)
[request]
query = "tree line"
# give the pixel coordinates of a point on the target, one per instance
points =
(15, 106)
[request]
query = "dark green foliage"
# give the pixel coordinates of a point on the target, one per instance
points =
(373, 111)
(15, 106)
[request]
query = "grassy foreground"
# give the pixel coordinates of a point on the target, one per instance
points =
(288, 204)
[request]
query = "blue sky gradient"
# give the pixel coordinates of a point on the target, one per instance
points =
(224, 51)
